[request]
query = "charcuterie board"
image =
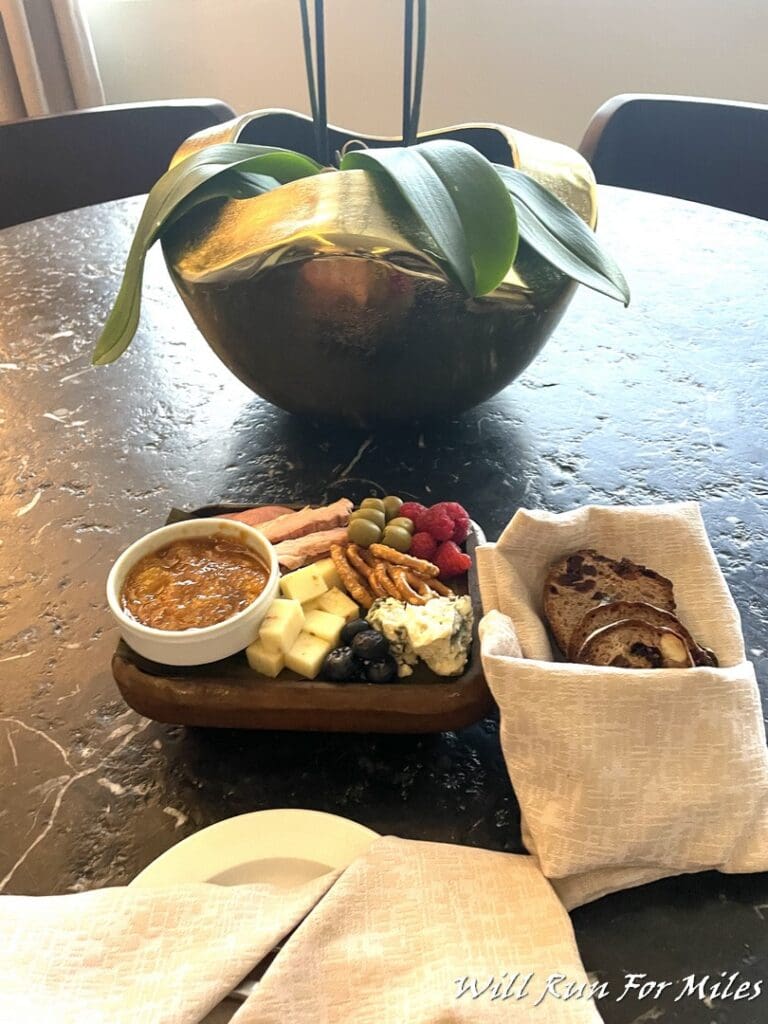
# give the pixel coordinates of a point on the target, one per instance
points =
(229, 694)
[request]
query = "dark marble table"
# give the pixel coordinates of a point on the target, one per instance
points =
(666, 400)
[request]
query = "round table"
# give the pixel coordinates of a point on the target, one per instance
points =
(663, 401)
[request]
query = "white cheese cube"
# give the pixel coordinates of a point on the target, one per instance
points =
(337, 604)
(307, 655)
(327, 570)
(326, 626)
(303, 584)
(281, 625)
(266, 663)
(314, 603)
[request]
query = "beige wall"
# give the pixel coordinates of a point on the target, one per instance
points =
(543, 66)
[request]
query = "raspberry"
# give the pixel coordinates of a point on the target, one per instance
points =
(437, 522)
(460, 519)
(451, 560)
(423, 545)
(414, 511)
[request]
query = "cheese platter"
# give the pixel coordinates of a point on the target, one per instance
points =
(315, 689)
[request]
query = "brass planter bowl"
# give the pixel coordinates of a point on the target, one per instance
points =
(314, 298)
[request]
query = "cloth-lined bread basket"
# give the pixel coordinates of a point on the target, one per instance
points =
(625, 775)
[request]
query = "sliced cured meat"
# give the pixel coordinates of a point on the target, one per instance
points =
(258, 516)
(308, 520)
(292, 554)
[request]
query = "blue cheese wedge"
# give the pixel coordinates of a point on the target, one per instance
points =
(439, 632)
(388, 616)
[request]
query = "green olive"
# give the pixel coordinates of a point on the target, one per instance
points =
(373, 503)
(363, 532)
(392, 505)
(375, 515)
(403, 522)
(396, 537)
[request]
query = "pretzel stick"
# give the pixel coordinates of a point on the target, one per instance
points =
(441, 588)
(428, 588)
(367, 557)
(365, 564)
(398, 558)
(406, 591)
(357, 562)
(349, 577)
(382, 578)
(419, 583)
(376, 587)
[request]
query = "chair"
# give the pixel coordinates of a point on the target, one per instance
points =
(710, 151)
(62, 162)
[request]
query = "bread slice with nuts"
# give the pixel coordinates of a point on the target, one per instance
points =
(632, 643)
(615, 611)
(579, 582)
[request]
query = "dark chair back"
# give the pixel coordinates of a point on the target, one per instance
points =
(710, 151)
(52, 164)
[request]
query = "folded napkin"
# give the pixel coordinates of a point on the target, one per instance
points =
(426, 933)
(139, 956)
(410, 933)
(625, 776)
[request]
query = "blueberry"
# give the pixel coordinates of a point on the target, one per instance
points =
(370, 645)
(341, 666)
(383, 670)
(352, 629)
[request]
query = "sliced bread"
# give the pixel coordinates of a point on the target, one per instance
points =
(632, 643)
(579, 582)
(605, 614)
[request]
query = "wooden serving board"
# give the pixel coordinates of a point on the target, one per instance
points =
(229, 694)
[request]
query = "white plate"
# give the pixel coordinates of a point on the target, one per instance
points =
(285, 847)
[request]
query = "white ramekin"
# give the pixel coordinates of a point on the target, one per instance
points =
(194, 646)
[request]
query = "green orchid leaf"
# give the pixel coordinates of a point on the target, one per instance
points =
(562, 237)
(226, 185)
(459, 200)
(233, 170)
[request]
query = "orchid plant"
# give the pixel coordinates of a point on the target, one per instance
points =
(469, 214)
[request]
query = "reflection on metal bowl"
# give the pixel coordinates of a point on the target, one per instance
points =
(315, 298)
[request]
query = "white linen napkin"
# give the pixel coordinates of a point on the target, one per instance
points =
(428, 933)
(625, 775)
(139, 956)
(411, 933)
